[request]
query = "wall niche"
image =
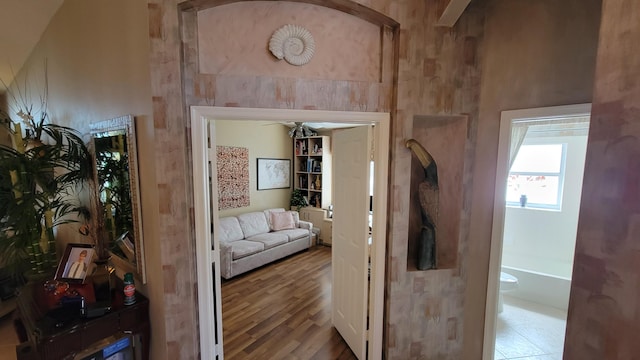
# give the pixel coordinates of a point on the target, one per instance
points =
(444, 138)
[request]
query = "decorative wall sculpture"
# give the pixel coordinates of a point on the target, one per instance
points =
(292, 43)
(436, 200)
(233, 177)
(428, 193)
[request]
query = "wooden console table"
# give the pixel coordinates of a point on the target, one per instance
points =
(44, 336)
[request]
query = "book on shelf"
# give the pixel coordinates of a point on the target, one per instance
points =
(301, 147)
(302, 181)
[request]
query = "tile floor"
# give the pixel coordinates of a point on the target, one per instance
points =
(529, 331)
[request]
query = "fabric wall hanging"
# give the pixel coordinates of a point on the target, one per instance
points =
(233, 177)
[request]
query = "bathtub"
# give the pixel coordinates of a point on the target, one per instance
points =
(549, 290)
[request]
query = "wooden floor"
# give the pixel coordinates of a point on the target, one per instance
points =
(283, 311)
(8, 338)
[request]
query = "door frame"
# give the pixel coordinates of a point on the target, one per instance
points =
(507, 118)
(207, 246)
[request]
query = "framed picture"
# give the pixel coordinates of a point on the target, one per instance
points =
(274, 173)
(75, 263)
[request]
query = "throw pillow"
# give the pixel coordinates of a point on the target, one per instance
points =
(282, 221)
(268, 212)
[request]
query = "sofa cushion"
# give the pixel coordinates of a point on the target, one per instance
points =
(268, 212)
(253, 223)
(295, 214)
(295, 234)
(271, 239)
(230, 229)
(296, 218)
(242, 248)
(282, 221)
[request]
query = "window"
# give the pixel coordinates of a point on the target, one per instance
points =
(538, 174)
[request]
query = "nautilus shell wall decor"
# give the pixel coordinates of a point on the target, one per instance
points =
(292, 43)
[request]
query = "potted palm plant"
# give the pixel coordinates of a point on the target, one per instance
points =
(38, 179)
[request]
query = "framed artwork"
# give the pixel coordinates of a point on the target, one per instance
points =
(233, 177)
(274, 173)
(75, 263)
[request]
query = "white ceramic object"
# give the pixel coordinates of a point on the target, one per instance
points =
(292, 43)
(508, 282)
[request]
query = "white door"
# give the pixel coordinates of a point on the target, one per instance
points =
(350, 153)
(208, 247)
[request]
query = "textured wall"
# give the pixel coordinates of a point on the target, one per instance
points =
(235, 68)
(604, 308)
(536, 54)
(174, 234)
(232, 41)
(438, 74)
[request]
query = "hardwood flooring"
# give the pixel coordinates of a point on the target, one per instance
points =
(8, 338)
(283, 311)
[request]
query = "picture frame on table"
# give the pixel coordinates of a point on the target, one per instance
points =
(75, 263)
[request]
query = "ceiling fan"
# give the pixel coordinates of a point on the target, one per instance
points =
(301, 130)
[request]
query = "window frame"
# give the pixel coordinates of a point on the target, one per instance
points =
(560, 175)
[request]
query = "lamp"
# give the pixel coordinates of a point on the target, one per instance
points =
(301, 130)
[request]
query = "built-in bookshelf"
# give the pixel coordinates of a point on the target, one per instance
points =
(313, 169)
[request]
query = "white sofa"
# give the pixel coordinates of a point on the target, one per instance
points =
(250, 240)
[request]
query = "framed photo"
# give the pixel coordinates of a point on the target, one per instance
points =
(75, 263)
(274, 173)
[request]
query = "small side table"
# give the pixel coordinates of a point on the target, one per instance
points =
(46, 337)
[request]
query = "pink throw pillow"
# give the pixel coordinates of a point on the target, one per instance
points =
(282, 221)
